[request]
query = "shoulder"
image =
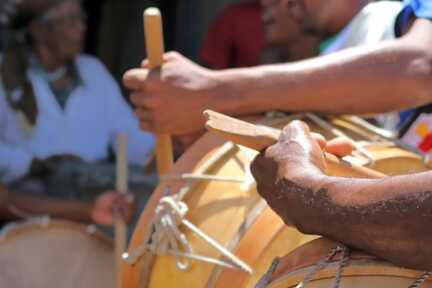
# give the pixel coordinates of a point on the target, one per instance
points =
(90, 62)
(377, 20)
(382, 8)
(93, 72)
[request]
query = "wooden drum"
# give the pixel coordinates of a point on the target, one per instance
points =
(46, 253)
(359, 270)
(214, 229)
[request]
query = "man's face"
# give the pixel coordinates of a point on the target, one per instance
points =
(64, 30)
(284, 20)
(279, 26)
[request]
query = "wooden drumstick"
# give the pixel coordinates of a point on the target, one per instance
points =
(122, 188)
(259, 137)
(155, 50)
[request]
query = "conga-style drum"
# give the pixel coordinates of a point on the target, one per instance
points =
(324, 263)
(45, 253)
(206, 225)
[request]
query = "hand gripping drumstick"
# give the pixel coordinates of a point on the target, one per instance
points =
(155, 50)
(259, 137)
(122, 188)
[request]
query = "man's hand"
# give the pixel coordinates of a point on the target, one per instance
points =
(297, 161)
(171, 99)
(107, 206)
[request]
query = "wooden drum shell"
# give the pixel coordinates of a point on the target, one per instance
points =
(233, 216)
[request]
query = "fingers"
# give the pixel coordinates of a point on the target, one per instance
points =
(145, 64)
(340, 147)
(145, 119)
(124, 206)
(145, 100)
(319, 139)
(294, 129)
(137, 78)
(168, 56)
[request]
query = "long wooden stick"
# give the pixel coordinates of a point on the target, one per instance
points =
(155, 50)
(259, 137)
(122, 188)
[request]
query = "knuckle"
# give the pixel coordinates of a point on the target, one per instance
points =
(136, 99)
(151, 102)
(172, 54)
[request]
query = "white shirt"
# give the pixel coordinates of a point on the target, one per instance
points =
(15, 159)
(94, 114)
(375, 23)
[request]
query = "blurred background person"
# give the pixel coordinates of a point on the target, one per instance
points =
(235, 38)
(66, 107)
(285, 41)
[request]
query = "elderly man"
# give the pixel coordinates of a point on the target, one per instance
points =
(60, 113)
(66, 103)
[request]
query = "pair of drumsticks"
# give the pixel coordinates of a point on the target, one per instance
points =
(237, 131)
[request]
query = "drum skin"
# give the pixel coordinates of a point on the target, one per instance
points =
(54, 253)
(363, 270)
(228, 213)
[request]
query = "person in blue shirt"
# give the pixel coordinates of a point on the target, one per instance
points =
(388, 217)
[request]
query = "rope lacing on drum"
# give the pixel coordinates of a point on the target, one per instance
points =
(420, 280)
(167, 239)
(266, 278)
(343, 262)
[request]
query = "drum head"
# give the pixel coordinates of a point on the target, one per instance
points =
(45, 254)
(360, 270)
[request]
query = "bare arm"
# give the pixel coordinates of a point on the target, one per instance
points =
(101, 211)
(388, 218)
(72, 210)
(378, 78)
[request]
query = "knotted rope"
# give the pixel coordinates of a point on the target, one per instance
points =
(167, 239)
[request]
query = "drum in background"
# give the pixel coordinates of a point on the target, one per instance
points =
(208, 209)
(359, 270)
(44, 253)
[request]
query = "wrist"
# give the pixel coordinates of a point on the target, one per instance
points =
(310, 194)
(233, 92)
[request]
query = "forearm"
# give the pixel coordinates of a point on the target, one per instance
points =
(71, 210)
(388, 218)
(390, 76)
